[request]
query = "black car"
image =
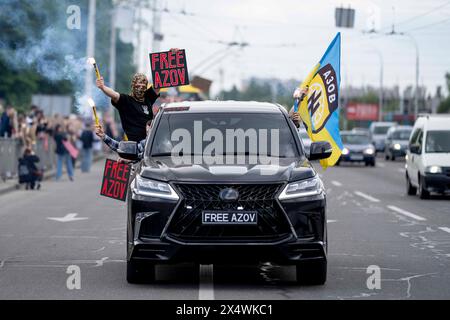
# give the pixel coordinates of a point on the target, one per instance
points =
(396, 143)
(357, 148)
(223, 206)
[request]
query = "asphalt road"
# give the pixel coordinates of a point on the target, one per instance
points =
(372, 222)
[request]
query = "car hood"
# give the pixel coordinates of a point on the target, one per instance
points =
(436, 159)
(280, 169)
(357, 147)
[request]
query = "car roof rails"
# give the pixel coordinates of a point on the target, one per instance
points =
(428, 115)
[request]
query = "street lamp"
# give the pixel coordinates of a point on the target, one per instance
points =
(416, 91)
(380, 92)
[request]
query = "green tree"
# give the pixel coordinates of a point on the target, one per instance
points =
(33, 62)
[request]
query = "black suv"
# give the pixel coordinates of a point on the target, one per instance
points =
(226, 182)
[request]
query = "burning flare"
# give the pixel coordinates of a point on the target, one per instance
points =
(91, 60)
(92, 104)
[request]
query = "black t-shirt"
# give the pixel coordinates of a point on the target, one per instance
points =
(134, 114)
(87, 138)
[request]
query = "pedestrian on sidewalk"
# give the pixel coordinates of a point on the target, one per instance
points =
(29, 173)
(62, 154)
(87, 141)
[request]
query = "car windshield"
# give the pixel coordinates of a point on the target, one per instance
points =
(355, 139)
(401, 134)
(381, 129)
(213, 134)
(438, 141)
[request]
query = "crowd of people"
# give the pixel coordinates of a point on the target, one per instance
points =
(72, 136)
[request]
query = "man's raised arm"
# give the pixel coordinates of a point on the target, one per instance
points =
(114, 95)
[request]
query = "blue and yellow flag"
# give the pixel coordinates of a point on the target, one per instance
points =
(319, 110)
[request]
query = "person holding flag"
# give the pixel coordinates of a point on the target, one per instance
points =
(299, 95)
(319, 112)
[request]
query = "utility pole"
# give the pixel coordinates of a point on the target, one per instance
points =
(112, 56)
(380, 92)
(112, 50)
(221, 78)
(90, 47)
(156, 28)
(416, 93)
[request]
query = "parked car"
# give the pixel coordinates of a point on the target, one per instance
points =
(428, 156)
(357, 148)
(396, 142)
(185, 210)
(378, 131)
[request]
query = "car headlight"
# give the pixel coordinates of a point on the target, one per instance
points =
(345, 151)
(397, 146)
(152, 188)
(369, 151)
(433, 169)
(304, 188)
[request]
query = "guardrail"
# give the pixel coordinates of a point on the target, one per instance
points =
(11, 150)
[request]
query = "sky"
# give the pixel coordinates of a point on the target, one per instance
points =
(286, 38)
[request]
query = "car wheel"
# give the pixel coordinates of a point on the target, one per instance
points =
(313, 272)
(140, 272)
(423, 193)
(386, 156)
(372, 163)
(393, 158)
(410, 189)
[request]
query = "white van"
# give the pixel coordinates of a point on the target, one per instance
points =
(428, 156)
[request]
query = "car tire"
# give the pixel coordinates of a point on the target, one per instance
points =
(423, 193)
(386, 156)
(372, 163)
(140, 272)
(393, 158)
(312, 272)
(410, 189)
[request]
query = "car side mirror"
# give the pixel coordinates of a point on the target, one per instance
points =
(414, 148)
(128, 150)
(320, 150)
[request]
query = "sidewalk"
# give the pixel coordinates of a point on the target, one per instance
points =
(11, 184)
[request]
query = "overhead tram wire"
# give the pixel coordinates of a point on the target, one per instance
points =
(429, 25)
(424, 14)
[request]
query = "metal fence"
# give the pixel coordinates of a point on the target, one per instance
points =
(12, 149)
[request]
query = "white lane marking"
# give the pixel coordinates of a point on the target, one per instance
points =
(330, 221)
(401, 170)
(68, 218)
(336, 183)
(406, 213)
(445, 229)
(206, 286)
(381, 165)
(366, 196)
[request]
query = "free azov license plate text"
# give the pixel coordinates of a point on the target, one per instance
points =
(230, 217)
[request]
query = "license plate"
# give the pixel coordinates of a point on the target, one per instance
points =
(356, 157)
(230, 217)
